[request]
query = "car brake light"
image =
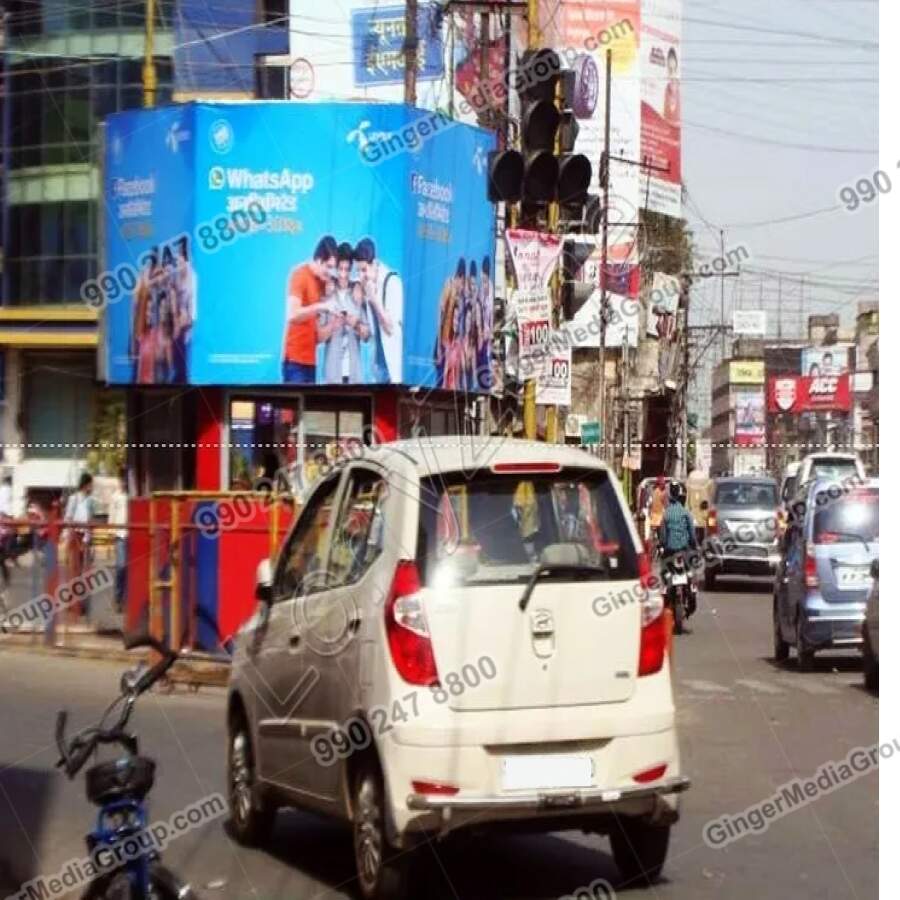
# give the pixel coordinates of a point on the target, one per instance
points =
(434, 787)
(654, 636)
(810, 567)
(651, 774)
(827, 537)
(712, 522)
(408, 636)
(529, 468)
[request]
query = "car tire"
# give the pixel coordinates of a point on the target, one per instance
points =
(805, 654)
(782, 649)
(709, 580)
(870, 666)
(251, 817)
(639, 850)
(382, 873)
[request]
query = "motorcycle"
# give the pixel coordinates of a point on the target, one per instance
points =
(681, 591)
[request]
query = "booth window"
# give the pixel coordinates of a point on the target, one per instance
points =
(263, 437)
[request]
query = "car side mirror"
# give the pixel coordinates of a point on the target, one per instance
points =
(873, 569)
(264, 581)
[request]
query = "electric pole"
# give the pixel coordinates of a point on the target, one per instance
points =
(411, 52)
(604, 252)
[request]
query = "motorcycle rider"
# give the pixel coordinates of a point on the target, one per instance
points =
(677, 535)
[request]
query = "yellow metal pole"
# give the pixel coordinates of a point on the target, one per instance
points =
(529, 406)
(274, 517)
(174, 590)
(149, 71)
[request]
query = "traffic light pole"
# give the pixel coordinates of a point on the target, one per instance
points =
(604, 260)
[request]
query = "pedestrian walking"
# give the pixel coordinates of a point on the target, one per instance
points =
(79, 511)
(118, 519)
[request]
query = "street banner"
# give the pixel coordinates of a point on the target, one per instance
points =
(750, 322)
(534, 256)
(554, 384)
(218, 234)
(833, 360)
(533, 317)
(661, 104)
(663, 306)
(750, 418)
(805, 393)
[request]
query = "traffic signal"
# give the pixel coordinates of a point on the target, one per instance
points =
(535, 175)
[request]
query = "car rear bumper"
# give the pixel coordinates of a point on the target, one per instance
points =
(833, 631)
(760, 561)
(589, 799)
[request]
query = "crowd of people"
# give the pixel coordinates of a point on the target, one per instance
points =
(344, 318)
(462, 354)
(164, 312)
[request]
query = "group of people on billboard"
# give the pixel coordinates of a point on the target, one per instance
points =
(344, 319)
(163, 312)
(462, 352)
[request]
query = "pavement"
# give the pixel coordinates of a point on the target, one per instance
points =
(747, 726)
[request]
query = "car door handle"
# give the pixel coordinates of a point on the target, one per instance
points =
(353, 624)
(294, 640)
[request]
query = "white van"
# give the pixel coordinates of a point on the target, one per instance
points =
(459, 632)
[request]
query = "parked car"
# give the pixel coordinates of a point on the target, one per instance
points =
(870, 634)
(444, 643)
(824, 579)
(743, 522)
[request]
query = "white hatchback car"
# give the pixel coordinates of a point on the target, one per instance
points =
(458, 633)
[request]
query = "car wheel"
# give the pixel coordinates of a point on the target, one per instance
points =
(781, 646)
(805, 653)
(251, 817)
(639, 849)
(870, 666)
(709, 580)
(381, 871)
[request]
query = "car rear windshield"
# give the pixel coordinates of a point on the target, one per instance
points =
(848, 518)
(492, 529)
(832, 469)
(746, 493)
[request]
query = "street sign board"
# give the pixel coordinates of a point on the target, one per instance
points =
(590, 432)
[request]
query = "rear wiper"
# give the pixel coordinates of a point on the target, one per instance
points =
(549, 569)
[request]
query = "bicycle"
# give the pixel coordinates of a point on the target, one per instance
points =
(119, 787)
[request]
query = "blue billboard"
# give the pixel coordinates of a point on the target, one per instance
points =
(280, 243)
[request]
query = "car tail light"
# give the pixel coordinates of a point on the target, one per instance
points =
(712, 522)
(407, 628)
(827, 537)
(654, 638)
(651, 774)
(525, 468)
(810, 567)
(434, 787)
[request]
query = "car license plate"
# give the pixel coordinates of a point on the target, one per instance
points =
(853, 577)
(522, 772)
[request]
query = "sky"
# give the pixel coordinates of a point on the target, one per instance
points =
(779, 106)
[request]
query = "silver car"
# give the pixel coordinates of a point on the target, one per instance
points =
(825, 576)
(742, 528)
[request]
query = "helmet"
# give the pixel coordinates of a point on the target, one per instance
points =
(676, 491)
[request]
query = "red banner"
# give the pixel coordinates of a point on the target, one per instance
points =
(806, 393)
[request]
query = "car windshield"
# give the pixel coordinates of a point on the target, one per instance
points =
(746, 493)
(832, 469)
(848, 518)
(492, 529)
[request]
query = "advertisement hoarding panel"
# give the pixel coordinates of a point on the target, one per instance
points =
(747, 372)
(412, 304)
(749, 418)
(661, 103)
(805, 393)
(825, 360)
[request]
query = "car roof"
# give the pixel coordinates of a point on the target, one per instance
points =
(830, 454)
(746, 479)
(453, 452)
(822, 484)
